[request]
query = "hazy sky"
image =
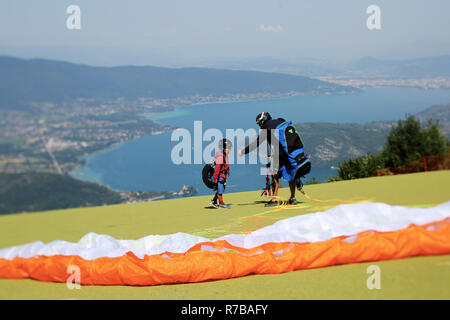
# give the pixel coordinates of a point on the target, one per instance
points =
(161, 32)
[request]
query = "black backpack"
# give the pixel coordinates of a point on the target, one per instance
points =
(208, 175)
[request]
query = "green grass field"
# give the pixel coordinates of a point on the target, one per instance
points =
(411, 278)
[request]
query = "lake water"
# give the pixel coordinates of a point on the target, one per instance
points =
(145, 163)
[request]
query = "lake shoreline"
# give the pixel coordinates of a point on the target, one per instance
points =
(148, 115)
(85, 159)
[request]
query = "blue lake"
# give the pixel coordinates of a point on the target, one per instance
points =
(145, 163)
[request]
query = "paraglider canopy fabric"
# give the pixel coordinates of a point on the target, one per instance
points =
(344, 234)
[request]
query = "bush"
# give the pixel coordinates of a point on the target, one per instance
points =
(313, 180)
(333, 178)
(361, 167)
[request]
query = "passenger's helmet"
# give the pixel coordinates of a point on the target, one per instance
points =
(225, 144)
(262, 117)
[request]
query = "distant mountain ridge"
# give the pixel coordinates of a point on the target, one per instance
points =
(362, 68)
(37, 80)
(426, 67)
(439, 114)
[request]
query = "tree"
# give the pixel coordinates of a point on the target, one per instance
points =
(408, 141)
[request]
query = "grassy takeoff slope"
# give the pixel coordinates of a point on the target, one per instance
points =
(411, 278)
